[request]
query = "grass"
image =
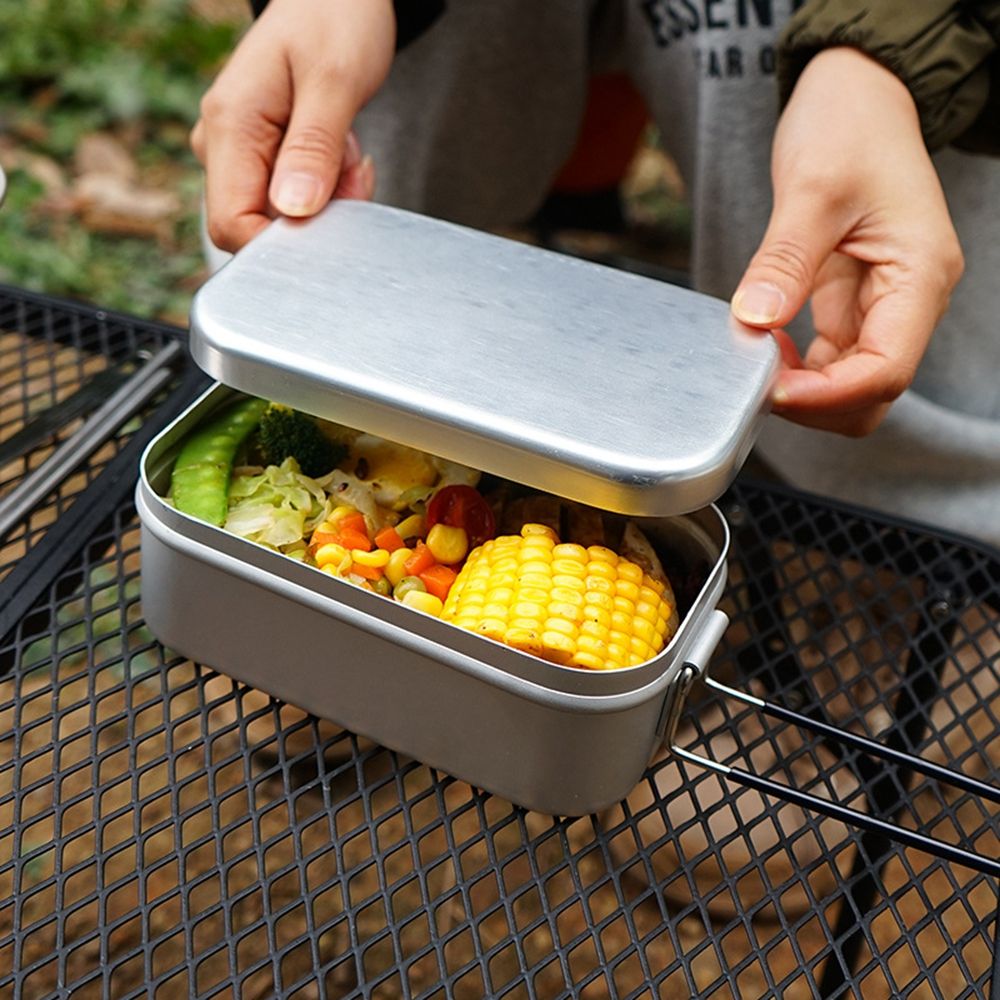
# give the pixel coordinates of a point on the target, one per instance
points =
(129, 70)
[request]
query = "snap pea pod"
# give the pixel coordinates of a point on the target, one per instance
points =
(199, 483)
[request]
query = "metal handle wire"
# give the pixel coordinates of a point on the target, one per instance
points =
(899, 834)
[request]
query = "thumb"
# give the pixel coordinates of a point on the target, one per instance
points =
(311, 153)
(780, 278)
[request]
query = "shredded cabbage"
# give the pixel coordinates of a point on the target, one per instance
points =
(276, 507)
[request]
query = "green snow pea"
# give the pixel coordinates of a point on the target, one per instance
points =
(199, 483)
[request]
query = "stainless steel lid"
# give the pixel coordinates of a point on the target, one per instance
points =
(608, 388)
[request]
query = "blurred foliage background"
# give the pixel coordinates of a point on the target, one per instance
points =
(96, 101)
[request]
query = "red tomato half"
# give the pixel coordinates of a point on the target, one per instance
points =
(462, 507)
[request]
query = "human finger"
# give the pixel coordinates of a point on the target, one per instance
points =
(800, 236)
(309, 160)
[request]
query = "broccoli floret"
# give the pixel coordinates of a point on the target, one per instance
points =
(285, 432)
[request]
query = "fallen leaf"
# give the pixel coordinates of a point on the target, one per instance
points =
(100, 153)
(108, 203)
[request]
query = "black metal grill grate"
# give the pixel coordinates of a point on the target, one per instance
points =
(166, 832)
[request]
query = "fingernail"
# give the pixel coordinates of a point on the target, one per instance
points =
(298, 194)
(759, 303)
(366, 170)
(352, 150)
(779, 397)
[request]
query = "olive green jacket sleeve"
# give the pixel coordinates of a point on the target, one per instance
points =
(947, 52)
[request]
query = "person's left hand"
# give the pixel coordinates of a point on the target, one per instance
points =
(861, 226)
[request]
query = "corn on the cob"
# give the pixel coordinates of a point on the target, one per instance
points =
(576, 606)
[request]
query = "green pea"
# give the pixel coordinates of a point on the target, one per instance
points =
(407, 584)
(199, 483)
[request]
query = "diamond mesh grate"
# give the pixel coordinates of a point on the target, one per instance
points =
(46, 353)
(166, 832)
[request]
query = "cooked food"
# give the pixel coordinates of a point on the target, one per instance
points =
(199, 483)
(287, 433)
(416, 529)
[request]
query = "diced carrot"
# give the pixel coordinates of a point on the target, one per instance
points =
(438, 580)
(354, 522)
(368, 572)
(388, 539)
(420, 560)
(321, 538)
(351, 539)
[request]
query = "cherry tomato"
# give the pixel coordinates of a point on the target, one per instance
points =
(462, 507)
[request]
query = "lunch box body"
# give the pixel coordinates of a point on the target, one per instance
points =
(612, 390)
(546, 737)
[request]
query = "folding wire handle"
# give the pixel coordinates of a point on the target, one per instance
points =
(911, 838)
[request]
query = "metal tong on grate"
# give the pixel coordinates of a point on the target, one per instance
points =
(899, 834)
(123, 403)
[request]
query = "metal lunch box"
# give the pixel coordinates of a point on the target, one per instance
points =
(607, 388)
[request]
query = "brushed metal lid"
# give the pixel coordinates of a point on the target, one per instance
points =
(616, 390)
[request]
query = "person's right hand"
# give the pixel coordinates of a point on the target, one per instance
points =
(274, 132)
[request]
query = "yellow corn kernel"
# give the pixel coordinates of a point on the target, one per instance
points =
(533, 566)
(337, 515)
(587, 660)
(646, 593)
(599, 553)
(529, 609)
(621, 621)
(640, 648)
(495, 610)
(539, 530)
(561, 625)
(538, 595)
(601, 584)
(627, 589)
(496, 595)
(494, 628)
(377, 557)
(557, 647)
(643, 609)
(592, 644)
(562, 609)
(533, 580)
(624, 605)
(629, 571)
(593, 613)
(410, 527)
(597, 599)
(567, 550)
(569, 567)
(574, 583)
(448, 545)
(528, 640)
(335, 555)
(423, 601)
(567, 595)
(644, 630)
(597, 630)
(617, 655)
(604, 569)
(532, 625)
(395, 568)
